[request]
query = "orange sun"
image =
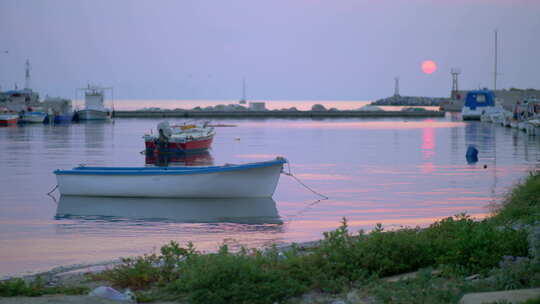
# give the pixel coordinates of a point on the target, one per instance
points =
(429, 66)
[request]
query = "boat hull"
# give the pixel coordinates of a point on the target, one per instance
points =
(233, 181)
(63, 118)
(470, 114)
(93, 115)
(8, 119)
(188, 146)
(33, 117)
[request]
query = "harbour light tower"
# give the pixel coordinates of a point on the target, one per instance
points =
(243, 100)
(455, 73)
(396, 88)
(27, 75)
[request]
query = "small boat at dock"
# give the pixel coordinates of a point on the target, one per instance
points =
(478, 103)
(8, 117)
(60, 110)
(257, 179)
(533, 126)
(94, 108)
(33, 117)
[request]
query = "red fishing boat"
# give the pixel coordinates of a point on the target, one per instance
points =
(187, 138)
(8, 117)
(179, 159)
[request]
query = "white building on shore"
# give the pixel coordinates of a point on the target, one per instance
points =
(257, 106)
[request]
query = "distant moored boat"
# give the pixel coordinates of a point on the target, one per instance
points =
(60, 109)
(8, 118)
(94, 108)
(187, 138)
(33, 117)
(478, 103)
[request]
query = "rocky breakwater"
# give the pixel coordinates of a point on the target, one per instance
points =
(398, 100)
(238, 111)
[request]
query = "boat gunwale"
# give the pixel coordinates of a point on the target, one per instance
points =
(165, 170)
(177, 139)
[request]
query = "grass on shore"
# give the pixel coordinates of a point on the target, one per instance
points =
(35, 288)
(522, 204)
(343, 261)
(459, 246)
(456, 246)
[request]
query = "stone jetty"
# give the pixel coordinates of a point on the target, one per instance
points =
(273, 114)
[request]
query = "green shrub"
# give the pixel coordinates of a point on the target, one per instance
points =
(135, 273)
(148, 270)
(340, 262)
(518, 273)
(522, 203)
(235, 278)
(476, 246)
(424, 288)
(393, 252)
(344, 258)
(19, 287)
(459, 242)
(533, 301)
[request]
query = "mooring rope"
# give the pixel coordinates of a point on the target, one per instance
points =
(303, 210)
(55, 187)
(49, 194)
(301, 183)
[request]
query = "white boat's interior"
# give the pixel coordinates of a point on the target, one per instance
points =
(182, 132)
(157, 170)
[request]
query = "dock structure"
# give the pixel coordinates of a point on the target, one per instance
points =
(508, 98)
(275, 114)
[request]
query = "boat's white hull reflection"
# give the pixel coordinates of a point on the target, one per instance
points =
(242, 210)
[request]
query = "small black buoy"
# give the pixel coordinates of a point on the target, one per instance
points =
(485, 166)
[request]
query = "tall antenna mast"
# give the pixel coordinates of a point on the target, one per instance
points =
(455, 73)
(495, 63)
(27, 75)
(243, 99)
(243, 89)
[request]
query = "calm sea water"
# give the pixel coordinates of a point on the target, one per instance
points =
(390, 171)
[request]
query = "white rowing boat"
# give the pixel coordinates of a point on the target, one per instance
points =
(229, 181)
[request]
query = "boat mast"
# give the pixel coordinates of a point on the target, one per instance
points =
(27, 75)
(495, 64)
(243, 89)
